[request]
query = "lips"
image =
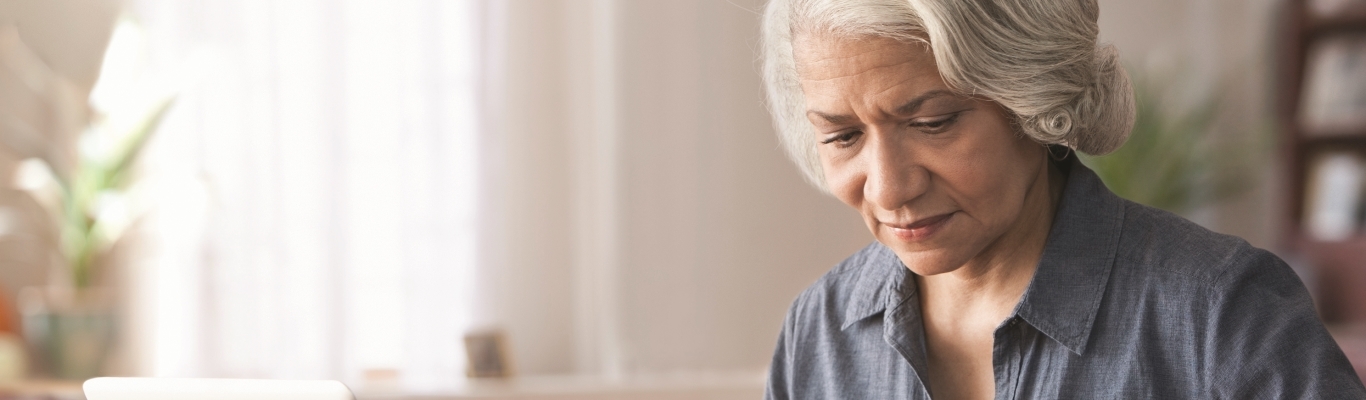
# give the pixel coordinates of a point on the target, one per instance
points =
(920, 229)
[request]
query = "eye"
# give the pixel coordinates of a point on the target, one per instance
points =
(843, 139)
(935, 124)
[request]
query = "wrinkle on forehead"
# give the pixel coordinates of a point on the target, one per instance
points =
(813, 53)
(841, 72)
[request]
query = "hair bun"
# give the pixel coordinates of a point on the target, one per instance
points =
(1108, 103)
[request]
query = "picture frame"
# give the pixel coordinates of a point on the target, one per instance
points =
(1334, 194)
(1334, 92)
(486, 355)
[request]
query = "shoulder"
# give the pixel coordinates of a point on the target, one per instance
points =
(1247, 313)
(1216, 276)
(1168, 245)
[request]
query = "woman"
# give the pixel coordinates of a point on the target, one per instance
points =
(1003, 268)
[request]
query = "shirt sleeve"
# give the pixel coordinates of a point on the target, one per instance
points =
(1265, 340)
(779, 370)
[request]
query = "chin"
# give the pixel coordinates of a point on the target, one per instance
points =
(928, 262)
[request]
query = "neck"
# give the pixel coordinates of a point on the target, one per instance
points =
(991, 284)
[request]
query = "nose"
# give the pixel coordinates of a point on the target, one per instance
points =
(894, 177)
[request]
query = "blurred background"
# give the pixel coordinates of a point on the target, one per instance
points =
(588, 190)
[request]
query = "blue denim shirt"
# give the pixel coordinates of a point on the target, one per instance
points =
(1128, 302)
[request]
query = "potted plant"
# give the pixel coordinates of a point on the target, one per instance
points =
(1170, 161)
(79, 179)
(71, 323)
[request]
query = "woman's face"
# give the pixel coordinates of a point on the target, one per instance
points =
(943, 180)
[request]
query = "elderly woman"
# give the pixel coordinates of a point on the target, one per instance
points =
(1003, 268)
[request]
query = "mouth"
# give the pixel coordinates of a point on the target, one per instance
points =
(921, 229)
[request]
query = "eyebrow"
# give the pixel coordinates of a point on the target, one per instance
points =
(909, 108)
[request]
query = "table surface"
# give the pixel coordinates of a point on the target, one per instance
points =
(41, 390)
(1352, 340)
(1350, 337)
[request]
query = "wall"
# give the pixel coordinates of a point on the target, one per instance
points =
(68, 38)
(526, 255)
(1220, 47)
(653, 108)
(720, 232)
(641, 217)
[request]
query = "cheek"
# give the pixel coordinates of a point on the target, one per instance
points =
(993, 179)
(843, 179)
(992, 189)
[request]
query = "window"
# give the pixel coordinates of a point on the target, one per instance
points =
(320, 217)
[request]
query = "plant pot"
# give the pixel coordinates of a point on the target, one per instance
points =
(69, 331)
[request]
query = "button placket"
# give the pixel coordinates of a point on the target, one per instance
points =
(1001, 360)
(1007, 359)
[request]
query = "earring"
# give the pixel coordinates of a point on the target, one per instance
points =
(1066, 152)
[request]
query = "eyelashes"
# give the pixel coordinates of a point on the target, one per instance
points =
(936, 124)
(929, 126)
(844, 139)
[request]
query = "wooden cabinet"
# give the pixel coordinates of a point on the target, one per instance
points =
(1321, 107)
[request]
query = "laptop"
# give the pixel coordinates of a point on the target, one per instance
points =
(213, 389)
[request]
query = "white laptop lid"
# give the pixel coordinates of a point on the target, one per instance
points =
(213, 389)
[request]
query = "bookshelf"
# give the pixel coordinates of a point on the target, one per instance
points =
(1321, 109)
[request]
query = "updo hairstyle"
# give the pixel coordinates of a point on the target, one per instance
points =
(1038, 59)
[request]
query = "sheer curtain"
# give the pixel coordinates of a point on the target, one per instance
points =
(334, 144)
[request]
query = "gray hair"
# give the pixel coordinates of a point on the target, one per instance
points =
(1037, 58)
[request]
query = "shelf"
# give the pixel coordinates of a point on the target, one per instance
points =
(1350, 19)
(1352, 249)
(1357, 242)
(1328, 139)
(1352, 339)
(1339, 276)
(1338, 268)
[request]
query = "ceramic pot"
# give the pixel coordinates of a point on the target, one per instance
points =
(70, 332)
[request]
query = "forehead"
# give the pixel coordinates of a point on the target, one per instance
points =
(864, 67)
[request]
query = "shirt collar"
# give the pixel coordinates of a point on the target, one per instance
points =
(1063, 297)
(881, 279)
(1065, 293)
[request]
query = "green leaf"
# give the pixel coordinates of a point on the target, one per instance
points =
(1170, 160)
